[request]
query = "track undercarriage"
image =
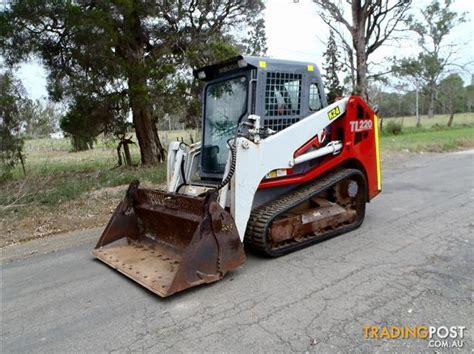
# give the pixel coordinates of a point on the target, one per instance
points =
(329, 206)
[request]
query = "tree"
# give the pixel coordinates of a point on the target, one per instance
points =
(256, 44)
(469, 98)
(11, 141)
(185, 96)
(372, 22)
(87, 118)
(332, 68)
(411, 70)
(120, 47)
(40, 118)
(397, 104)
(451, 95)
(437, 22)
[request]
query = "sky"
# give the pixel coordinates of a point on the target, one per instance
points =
(295, 31)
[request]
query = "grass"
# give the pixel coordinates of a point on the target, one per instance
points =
(429, 140)
(66, 191)
(54, 174)
(45, 157)
(65, 186)
(437, 120)
(432, 136)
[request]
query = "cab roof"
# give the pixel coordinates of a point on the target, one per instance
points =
(240, 62)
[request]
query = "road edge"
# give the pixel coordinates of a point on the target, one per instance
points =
(49, 244)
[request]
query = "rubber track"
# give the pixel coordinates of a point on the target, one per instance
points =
(261, 218)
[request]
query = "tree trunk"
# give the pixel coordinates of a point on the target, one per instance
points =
(133, 46)
(451, 118)
(119, 155)
(362, 82)
(22, 160)
(353, 77)
(151, 150)
(358, 38)
(128, 156)
(418, 117)
(431, 107)
(124, 142)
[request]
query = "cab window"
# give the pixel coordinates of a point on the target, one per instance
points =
(314, 98)
(282, 94)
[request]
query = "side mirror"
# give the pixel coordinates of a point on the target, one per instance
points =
(376, 108)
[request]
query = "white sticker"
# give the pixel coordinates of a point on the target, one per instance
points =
(360, 125)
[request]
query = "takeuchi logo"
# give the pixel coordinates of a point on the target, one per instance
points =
(437, 336)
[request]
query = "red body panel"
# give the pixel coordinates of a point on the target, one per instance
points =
(357, 130)
(313, 143)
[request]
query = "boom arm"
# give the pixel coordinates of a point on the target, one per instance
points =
(257, 158)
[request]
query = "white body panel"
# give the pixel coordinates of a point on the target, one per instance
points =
(175, 157)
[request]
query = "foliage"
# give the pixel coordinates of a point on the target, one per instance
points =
(425, 70)
(469, 98)
(87, 118)
(403, 102)
(41, 119)
(11, 141)
(256, 43)
(132, 49)
(371, 24)
(396, 104)
(332, 68)
(185, 98)
(451, 95)
(393, 128)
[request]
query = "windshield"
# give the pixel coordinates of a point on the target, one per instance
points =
(226, 103)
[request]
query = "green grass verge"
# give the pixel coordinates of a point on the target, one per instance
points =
(438, 120)
(435, 139)
(54, 174)
(62, 187)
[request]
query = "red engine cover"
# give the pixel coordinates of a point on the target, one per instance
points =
(358, 130)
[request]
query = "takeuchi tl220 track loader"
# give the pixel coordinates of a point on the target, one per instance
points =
(278, 169)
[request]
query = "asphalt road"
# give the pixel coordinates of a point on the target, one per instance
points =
(411, 263)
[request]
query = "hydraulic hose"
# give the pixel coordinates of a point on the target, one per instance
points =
(182, 171)
(233, 160)
(182, 177)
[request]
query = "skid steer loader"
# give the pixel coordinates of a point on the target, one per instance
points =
(277, 169)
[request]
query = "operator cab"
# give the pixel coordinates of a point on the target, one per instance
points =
(281, 92)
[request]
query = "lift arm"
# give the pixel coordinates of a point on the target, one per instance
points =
(257, 157)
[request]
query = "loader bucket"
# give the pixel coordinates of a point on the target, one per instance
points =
(169, 242)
